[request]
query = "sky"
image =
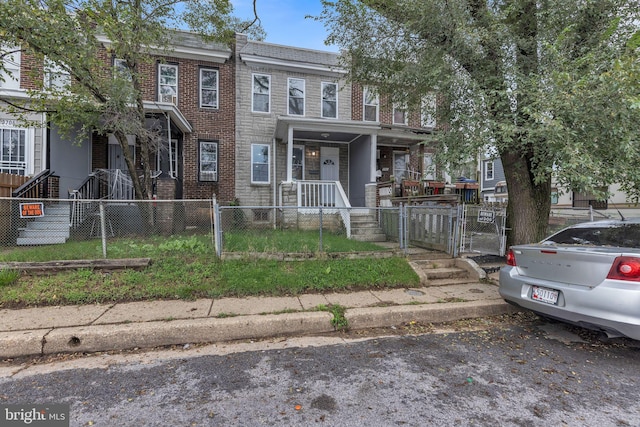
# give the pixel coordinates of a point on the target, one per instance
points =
(284, 22)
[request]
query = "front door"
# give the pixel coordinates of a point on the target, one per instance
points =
(329, 163)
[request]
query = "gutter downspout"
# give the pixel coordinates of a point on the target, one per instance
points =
(274, 184)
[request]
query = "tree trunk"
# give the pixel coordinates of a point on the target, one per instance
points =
(529, 203)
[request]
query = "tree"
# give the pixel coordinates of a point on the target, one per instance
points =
(65, 35)
(551, 86)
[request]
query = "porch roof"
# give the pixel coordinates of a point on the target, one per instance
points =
(346, 131)
(172, 110)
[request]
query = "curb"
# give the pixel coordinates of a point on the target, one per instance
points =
(124, 336)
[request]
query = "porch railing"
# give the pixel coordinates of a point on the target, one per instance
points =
(38, 187)
(325, 194)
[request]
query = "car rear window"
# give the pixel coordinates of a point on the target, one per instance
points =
(624, 235)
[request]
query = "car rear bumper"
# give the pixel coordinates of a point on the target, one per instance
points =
(612, 306)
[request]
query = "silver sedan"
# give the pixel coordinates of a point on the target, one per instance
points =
(587, 274)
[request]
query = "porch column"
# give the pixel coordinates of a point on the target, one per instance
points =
(374, 150)
(289, 153)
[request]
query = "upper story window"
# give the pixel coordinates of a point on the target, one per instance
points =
(10, 73)
(296, 97)
(329, 100)
(168, 83)
(400, 115)
(371, 102)
(260, 163)
(488, 170)
(121, 69)
(428, 116)
(55, 76)
(208, 168)
(208, 88)
(261, 93)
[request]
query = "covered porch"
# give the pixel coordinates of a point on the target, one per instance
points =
(331, 163)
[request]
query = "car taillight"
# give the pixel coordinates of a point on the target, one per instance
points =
(511, 258)
(625, 268)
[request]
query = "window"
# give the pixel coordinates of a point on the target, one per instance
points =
(428, 167)
(296, 97)
(298, 162)
(400, 116)
(168, 83)
(261, 93)
(121, 69)
(488, 170)
(370, 101)
(13, 148)
(55, 76)
(208, 161)
(329, 100)
(428, 115)
(208, 88)
(260, 163)
(10, 74)
(400, 163)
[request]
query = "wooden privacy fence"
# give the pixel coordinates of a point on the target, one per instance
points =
(9, 182)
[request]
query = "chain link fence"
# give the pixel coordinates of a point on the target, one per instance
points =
(483, 229)
(35, 222)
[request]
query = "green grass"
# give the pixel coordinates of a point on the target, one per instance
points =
(292, 241)
(187, 268)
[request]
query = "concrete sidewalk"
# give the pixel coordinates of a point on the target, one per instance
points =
(105, 327)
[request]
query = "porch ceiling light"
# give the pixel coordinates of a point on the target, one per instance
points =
(325, 135)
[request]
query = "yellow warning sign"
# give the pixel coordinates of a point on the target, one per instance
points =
(30, 210)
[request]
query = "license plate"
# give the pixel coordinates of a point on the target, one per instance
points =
(549, 296)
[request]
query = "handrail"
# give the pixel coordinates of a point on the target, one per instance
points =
(325, 194)
(36, 187)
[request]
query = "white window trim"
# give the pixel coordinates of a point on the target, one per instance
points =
(29, 148)
(403, 108)
(160, 96)
(217, 88)
(427, 113)
(11, 73)
(268, 181)
(289, 97)
(365, 105)
(486, 170)
(53, 68)
(217, 162)
(322, 85)
(253, 110)
(302, 163)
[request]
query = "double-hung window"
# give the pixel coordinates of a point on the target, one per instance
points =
(296, 97)
(488, 170)
(428, 116)
(260, 163)
(261, 93)
(400, 115)
(10, 72)
(56, 77)
(168, 83)
(208, 88)
(371, 102)
(208, 161)
(329, 100)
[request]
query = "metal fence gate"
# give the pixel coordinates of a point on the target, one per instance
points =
(483, 229)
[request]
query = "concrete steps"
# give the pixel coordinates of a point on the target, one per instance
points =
(50, 229)
(443, 270)
(364, 228)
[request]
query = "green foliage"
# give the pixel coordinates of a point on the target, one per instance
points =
(82, 37)
(551, 88)
(8, 277)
